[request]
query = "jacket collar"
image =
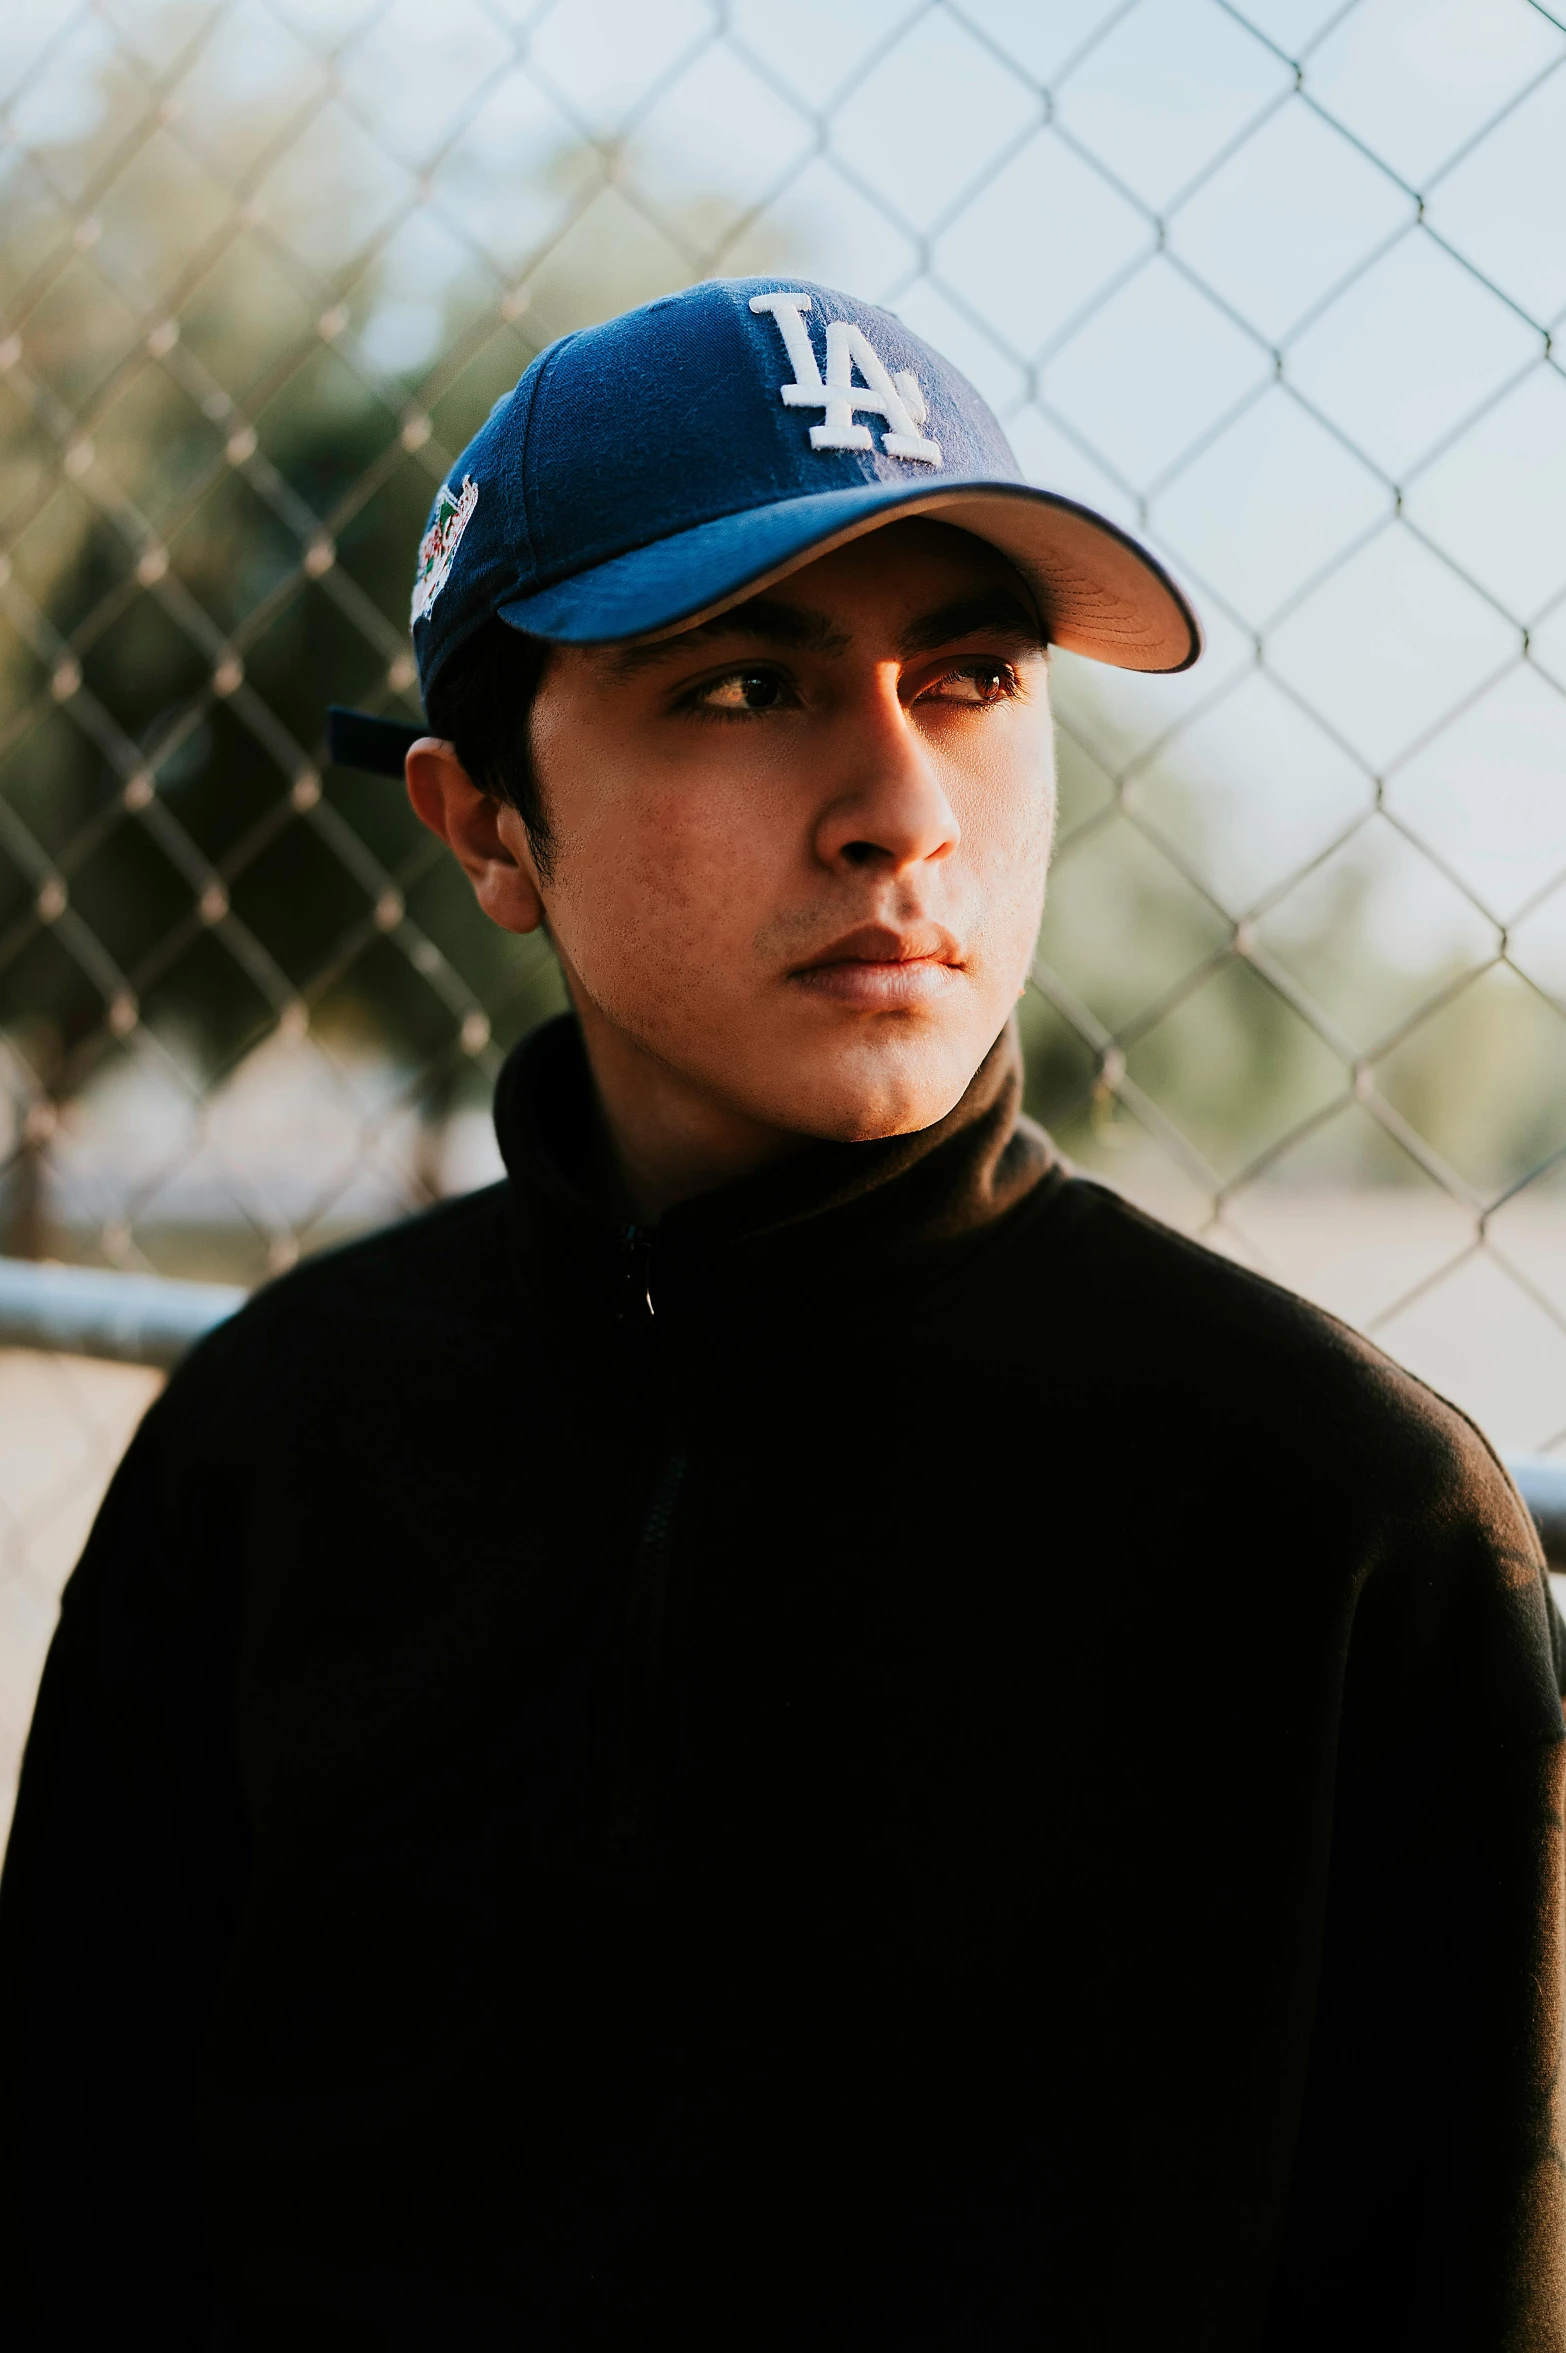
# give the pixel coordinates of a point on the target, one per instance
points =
(828, 1217)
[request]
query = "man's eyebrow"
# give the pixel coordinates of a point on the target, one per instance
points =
(966, 616)
(766, 620)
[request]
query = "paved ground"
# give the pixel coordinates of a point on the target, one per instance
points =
(63, 1426)
(1482, 1334)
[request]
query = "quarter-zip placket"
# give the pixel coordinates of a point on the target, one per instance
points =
(636, 1255)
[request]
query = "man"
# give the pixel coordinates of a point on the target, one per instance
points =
(793, 1728)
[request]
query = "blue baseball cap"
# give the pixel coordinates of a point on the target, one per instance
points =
(647, 472)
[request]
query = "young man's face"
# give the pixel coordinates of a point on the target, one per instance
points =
(800, 851)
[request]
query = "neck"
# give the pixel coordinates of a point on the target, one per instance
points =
(669, 1140)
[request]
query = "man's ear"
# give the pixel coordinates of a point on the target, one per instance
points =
(488, 839)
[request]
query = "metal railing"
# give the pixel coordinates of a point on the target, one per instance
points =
(92, 1311)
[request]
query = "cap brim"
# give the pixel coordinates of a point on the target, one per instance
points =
(360, 739)
(1100, 593)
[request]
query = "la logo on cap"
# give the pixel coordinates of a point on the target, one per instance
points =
(897, 399)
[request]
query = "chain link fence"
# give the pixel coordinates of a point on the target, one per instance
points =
(1274, 284)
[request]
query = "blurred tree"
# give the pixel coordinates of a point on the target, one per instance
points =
(211, 488)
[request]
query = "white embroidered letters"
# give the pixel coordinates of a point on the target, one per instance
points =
(897, 399)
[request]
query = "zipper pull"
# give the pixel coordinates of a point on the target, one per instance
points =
(636, 1260)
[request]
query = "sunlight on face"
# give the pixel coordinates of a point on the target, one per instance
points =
(801, 850)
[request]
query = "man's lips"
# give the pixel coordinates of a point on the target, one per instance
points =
(879, 969)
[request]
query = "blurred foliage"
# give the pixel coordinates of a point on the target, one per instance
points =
(233, 554)
(1213, 1068)
(211, 487)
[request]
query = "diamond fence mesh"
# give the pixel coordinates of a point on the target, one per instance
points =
(1274, 284)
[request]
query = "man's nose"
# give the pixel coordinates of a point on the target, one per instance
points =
(889, 808)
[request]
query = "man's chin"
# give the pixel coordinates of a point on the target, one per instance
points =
(860, 1098)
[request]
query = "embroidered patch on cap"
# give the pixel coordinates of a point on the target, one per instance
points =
(438, 547)
(898, 399)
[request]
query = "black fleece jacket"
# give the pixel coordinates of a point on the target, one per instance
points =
(914, 1762)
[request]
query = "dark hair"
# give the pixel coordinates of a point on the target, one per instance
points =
(482, 703)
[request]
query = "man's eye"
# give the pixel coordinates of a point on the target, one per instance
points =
(974, 683)
(742, 690)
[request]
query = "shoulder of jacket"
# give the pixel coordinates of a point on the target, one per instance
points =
(445, 1269)
(1299, 1364)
